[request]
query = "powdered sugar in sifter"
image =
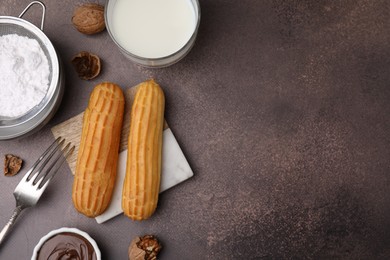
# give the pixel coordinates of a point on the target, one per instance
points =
(38, 116)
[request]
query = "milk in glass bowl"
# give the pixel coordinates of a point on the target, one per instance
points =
(153, 33)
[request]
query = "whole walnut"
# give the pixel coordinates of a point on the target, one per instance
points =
(89, 18)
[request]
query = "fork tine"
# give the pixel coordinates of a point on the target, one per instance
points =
(28, 174)
(47, 159)
(38, 183)
(39, 179)
(55, 165)
(24, 180)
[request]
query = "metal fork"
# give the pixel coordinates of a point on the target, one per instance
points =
(35, 181)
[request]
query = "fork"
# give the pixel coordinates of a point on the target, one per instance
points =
(35, 181)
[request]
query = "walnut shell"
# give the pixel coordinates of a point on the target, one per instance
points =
(87, 65)
(12, 164)
(144, 248)
(89, 18)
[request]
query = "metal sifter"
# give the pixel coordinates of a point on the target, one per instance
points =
(38, 116)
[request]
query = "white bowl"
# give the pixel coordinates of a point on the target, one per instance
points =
(68, 230)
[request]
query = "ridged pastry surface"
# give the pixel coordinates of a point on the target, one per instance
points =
(143, 170)
(98, 153)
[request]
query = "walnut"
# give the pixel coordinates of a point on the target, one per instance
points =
(144, 248)
(12, 164)
(89, 18)
(87, 65)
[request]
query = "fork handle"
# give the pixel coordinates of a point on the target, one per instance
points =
(10, 223)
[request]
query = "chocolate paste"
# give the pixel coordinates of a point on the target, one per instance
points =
(66, 246)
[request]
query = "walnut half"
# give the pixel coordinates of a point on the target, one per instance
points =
(12, 164)
(144, 248)
(87, 65)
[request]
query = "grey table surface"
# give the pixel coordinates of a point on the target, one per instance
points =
(282, 109)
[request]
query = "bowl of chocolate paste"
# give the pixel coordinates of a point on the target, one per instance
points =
(66, 243)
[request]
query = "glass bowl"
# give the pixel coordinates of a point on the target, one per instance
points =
(153, 62)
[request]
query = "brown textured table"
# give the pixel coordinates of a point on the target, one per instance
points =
(282, 109)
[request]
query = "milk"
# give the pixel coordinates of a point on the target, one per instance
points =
(153, 28)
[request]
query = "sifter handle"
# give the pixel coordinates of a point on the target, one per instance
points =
(43, 11)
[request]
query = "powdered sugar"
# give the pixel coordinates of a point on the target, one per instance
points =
(24, 75)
